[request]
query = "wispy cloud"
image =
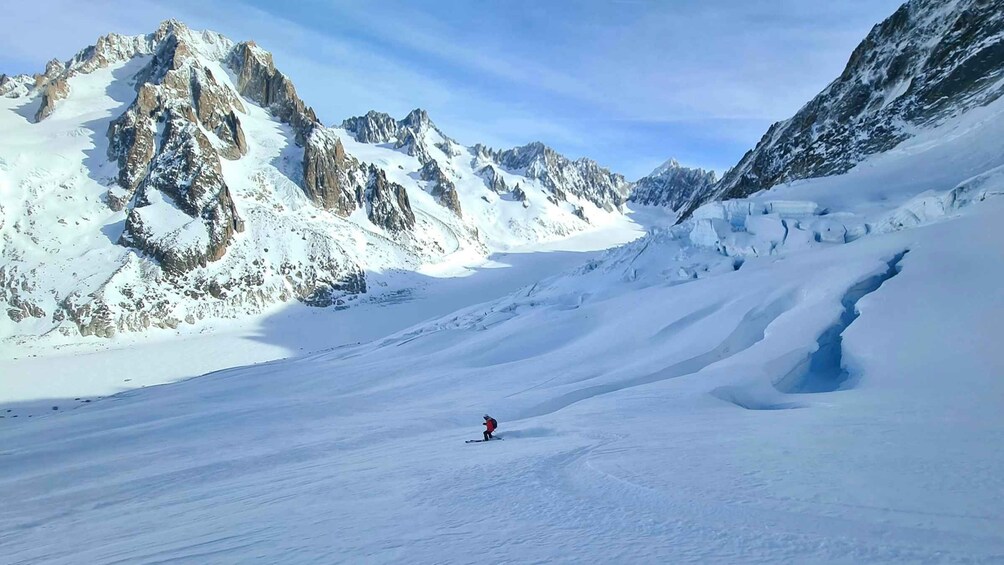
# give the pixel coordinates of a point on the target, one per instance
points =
(628, 83)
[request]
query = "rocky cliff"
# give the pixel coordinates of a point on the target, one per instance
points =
(672, 185)
(928, 61)
(560, 175)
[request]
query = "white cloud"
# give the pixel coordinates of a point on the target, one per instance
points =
(606, 82)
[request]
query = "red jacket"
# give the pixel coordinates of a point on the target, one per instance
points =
(490, 423)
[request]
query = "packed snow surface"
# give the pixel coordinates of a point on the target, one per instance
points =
(812, 374)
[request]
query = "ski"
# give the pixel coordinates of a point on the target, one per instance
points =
(482, 440)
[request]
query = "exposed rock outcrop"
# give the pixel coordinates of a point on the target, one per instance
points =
(387, 203)
(493, 179)
(331, 179)
(53, 87)
(258, 79)
(582, 177)
(16, 289)
(413, 135)
(132, 143)
(15, 86)
(928, 61)
(672, 185)
(519, 195)
(184, 167)
(442, 187)
(186, 174)
(374, 127)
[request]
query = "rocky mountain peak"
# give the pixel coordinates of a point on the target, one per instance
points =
(669, 165)
(202, 230)
(672, 185)
(258, 80)
(378, 127)
(929, 61)
(418, 120)
(583, 178)
(414, 134)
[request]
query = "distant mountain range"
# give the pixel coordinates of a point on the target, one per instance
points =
(174, 176)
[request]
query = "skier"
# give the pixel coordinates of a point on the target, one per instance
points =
(490, 425)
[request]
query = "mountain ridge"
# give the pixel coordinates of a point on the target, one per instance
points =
(926, 62)
(203, 152)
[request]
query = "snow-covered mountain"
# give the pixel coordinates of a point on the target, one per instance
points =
(166, 178)
(823, 359)
(671, 185)
(931, 60)
(807, 374)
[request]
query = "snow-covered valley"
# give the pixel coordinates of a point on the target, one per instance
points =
(42, 373)
(647, 415)
(810, 373)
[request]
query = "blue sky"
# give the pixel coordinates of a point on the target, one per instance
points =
(628, 83)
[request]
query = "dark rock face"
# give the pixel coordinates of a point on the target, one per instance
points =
(442, 187)
(216, 107)
(672, 186)
(519, 195)
(193, 182)
(928, 61)
(52, 92)
(53, 87)
(374, 127)
(493, 179)
(387, 203)
(184, 167)
(258, 80)
(409, 135)
(582, 177)
(131, 143)
(330, 177)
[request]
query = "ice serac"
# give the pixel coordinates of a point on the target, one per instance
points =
(583, 177)
(927, 62)
(672, 185)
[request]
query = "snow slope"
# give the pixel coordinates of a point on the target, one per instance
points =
(39, 373)
(811, 374)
